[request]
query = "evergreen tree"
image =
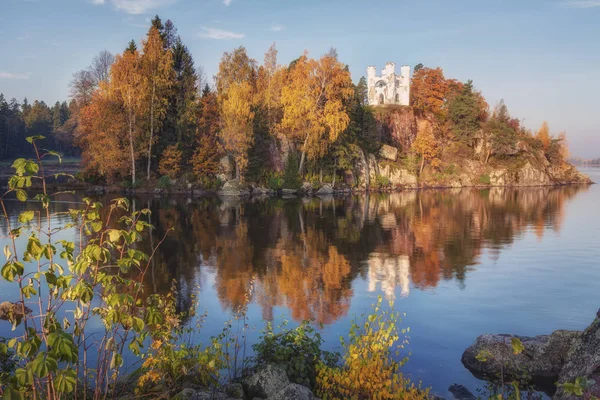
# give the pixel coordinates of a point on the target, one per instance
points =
(464, 112)
(131, 47)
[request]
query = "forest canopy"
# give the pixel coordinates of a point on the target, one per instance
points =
(149, 113)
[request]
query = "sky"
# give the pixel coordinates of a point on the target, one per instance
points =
(542, 57)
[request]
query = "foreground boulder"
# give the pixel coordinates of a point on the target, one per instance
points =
(325, 189)
(234, 188)
(583, 361)
(266, 382)
(293, 391)
(542, 358)
(8, 309)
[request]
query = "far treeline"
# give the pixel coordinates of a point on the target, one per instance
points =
(148, 114)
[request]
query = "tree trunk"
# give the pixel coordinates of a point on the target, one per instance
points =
(303, 155)
(151, 128)
(334, 171)
(487, 157)
(131, 122)
(321, 175)
(237, 172)
(422, 165)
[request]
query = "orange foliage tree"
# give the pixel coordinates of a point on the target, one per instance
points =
(543, 135)
(313, 98)
(429, 89)
(236, 88)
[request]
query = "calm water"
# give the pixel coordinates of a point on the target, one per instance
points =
(459, 263)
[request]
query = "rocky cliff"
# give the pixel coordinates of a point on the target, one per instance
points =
(394, 167)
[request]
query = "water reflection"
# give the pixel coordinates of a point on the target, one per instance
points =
(304, 254)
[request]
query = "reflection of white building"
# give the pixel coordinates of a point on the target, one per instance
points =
(389, 272)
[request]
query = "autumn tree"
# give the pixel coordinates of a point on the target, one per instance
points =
(314, 113)
(236, 88)
(428, 90)
(236, 124)
(205, 160)
(102, 137)
(127, 88)
(157, 78)
(426, 146)
(543, 135)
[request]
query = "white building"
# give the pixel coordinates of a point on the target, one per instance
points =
(389, 88)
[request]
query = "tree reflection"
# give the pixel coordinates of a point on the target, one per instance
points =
(305, 254)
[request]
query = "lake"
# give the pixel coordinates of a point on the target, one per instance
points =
(459, 263)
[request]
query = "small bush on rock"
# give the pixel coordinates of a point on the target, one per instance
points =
(297, 350)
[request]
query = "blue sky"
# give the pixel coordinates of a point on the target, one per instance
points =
(541, 57)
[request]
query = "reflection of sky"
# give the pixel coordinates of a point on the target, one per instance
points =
(529, 285)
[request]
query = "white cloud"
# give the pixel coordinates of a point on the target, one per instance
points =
(227, 2)
(582, 3)
(135, 6)
(25, 36)
(219, 34)
(10, 75)
(276, 28)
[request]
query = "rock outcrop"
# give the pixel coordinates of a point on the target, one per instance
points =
(234, 188)
(562, 356)
(388, 152)
(543, 356)
(325, 189)
(583, 361)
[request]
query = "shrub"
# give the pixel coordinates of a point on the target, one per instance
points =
(170, 162)
(210, 183)
(291, 179)
(170, 361)
(370, 369)
(275, 181)
(164, 182)
(484, 179)
(297, 350)
(98, 279)
(381, 181)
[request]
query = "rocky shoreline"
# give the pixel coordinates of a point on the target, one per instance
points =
(560, 358)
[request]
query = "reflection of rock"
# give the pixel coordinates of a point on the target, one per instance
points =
(460, 392)
(388, 221)
(389, 271)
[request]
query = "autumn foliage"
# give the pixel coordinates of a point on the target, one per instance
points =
(278, 124)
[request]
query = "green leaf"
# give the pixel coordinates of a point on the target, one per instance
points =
(26, 216)
(12, 269)
(65, 381)
(30, 139)
(12, 394)
(517, 345)
(44, 364)
(21, 194)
